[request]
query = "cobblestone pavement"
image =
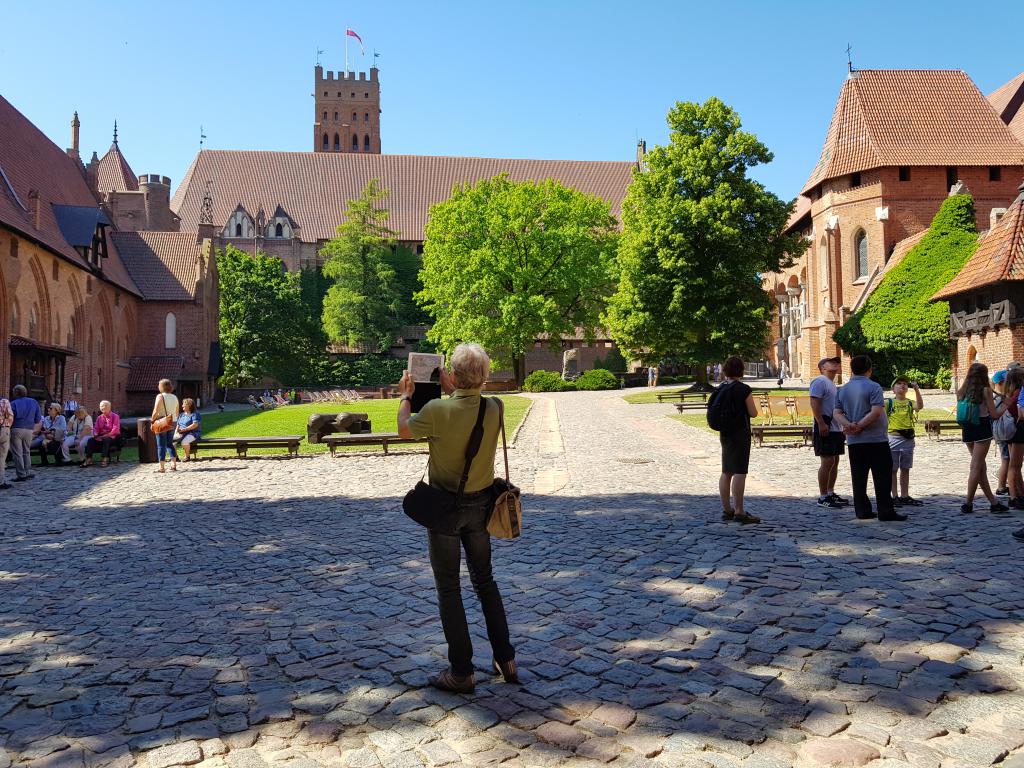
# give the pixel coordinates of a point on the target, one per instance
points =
(266, 612)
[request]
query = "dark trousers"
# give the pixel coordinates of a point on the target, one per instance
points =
(875, 458)
(445, 557)
(51, 448)
(101, 444)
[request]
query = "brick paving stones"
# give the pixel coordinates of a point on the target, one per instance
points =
(244, 614)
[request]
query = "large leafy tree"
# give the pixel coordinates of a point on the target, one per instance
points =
(364, 302)
(697, 236)
(506, 263)
(266, 329)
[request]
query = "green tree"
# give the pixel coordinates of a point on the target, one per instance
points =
(697, 236)
(898, 325)
(266, 329)
(407, 283)
(363, 304)
(506, 263)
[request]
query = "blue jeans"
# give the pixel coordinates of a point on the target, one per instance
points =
(165, 445)
(445, 557)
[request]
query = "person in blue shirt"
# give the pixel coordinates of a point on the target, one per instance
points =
(28, 421)
(189, 426)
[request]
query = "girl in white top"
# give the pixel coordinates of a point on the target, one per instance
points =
(166, 404)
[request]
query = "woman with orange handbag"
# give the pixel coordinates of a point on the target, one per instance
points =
(165, 416)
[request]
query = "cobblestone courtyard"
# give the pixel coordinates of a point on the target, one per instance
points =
(266, 612)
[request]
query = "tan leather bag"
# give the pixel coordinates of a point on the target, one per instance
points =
(506, 519)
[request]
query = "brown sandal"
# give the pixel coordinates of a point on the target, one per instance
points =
(746, 518)
(508, 671)
(449, 681)
(728, 515)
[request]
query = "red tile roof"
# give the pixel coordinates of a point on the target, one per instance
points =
(29, 160)
(315, 187)
(163, 264)
(146, 372)
(912, 117)
(114, 174)
(802, 209)
(999, 256)
(20, 342)
(1008, 102)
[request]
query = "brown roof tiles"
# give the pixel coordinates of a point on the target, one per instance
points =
(912, 117)
(999, 256)
(163, 264)
(315, 187)
(114, 174)
(146, 372)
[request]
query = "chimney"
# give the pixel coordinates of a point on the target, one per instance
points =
(34, 206)
(75, 125)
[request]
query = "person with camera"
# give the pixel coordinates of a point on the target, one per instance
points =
(448, 423)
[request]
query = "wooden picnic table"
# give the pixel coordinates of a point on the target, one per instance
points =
(383, 439)
(243, 444)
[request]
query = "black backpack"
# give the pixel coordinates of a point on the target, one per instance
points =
(722, 413)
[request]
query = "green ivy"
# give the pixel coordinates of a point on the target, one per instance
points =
(898, 325)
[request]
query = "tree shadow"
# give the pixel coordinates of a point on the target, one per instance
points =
(310, 622)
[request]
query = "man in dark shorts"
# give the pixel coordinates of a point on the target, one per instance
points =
(829, 443)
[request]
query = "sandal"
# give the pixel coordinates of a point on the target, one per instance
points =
(728, 514)
(86, 463)
(105, 462)
(746, 518)
(508, 671)
(449, 681)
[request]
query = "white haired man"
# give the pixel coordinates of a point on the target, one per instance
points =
(447, 423)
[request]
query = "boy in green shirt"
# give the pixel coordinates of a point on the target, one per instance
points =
(902, 414)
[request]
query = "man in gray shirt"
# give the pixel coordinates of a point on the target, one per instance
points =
(860, 410)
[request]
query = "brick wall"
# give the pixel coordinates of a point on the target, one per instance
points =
(995, 348)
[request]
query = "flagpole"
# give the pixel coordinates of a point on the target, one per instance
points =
(346, 49)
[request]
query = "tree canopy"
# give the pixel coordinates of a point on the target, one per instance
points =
(507, 262)
(898, 325)
(266, 328)
(698, 234)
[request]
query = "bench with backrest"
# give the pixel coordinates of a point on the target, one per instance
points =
(243, 444)
(804, 432)
(935, 427)
(383, 439)
(683, 396)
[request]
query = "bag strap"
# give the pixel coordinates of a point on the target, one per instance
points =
(504, 444)
(473, 447)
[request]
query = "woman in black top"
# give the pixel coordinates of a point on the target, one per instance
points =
(736, 442)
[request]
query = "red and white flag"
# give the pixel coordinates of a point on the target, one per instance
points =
(352, 33)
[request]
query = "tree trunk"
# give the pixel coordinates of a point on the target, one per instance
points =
(701, 383)
(519, 370)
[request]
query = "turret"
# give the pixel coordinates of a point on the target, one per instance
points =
(73, 149)
(346, 115)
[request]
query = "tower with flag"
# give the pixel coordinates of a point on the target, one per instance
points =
(346, 114)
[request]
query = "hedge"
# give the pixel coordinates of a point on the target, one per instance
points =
(898, 326)
(597, 379)
(546, 381)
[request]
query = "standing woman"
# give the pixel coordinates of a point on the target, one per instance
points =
(977, 437)
(735, 442)
(166, 404)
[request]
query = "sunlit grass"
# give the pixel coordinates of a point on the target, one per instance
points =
(700, 420)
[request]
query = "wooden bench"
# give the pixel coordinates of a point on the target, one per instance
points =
(115, 455)
(935, 427)
(691, 405)
(804, 432)
(683, 396)
(383, 439)
(243, 444)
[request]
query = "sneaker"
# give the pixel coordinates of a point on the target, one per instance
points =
(867, 516)
(1019, 534)
(910, 501)
(1002, 491)
(22, 479)
(839, 499)
(828, 501)
(894, 517)
(998, 508)
(966, 508)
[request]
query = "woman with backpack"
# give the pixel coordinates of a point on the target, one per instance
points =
(1012, 384)
(975, 410)
(730, 409)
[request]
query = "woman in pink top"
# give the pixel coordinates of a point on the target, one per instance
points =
(106, 432)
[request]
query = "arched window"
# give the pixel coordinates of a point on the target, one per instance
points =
(33, 322)
(366, 143)
(326, 143)
(170, 331)
(860, 250)
(73, 333)
(366, 117)
(335, 117)
(278, 230)
(337, 143)
(355, 143)
(354, 118)
(823, 257)
(325, 116)
(238, 229)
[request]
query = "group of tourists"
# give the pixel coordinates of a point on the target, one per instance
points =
(879, 435)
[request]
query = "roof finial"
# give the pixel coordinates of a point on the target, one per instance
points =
(202, 137)
(115, 133)
(849, 59)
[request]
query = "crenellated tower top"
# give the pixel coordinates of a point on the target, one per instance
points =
(347, 111)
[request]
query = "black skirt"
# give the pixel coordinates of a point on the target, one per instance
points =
(735, 452)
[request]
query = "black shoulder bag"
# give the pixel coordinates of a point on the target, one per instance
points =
(436, 508)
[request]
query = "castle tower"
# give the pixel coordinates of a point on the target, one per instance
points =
(347, 115)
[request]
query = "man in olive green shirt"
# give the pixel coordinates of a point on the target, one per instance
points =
(447, 423)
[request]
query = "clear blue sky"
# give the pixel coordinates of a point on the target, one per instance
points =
(531, 78)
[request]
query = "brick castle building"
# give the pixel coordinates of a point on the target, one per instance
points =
(899, 140)
(95, 304)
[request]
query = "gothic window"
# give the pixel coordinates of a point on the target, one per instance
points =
(860, 250)
(337, 143)
(238, 229)
(366, 117)
(326, 143)
(355, 143)
(366, 143)
(73, 333)
(170, 331)
(325, 116)
(823, 255)
(366, 95)
(278, 230)
(335, 116)
(353, 117)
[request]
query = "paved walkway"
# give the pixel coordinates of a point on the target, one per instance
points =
(266, 612)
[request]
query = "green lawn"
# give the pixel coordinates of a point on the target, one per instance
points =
(644, 398)
(700, 419)
(291, 420)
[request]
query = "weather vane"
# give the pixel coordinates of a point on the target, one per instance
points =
(849, 59)
(202, 137)
(318, 52)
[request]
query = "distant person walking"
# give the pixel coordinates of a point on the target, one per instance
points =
(829, 441)
(975, 409)
(652, 376)
(783, 373)
(860, 411)
(901, 412)
(735, 402)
